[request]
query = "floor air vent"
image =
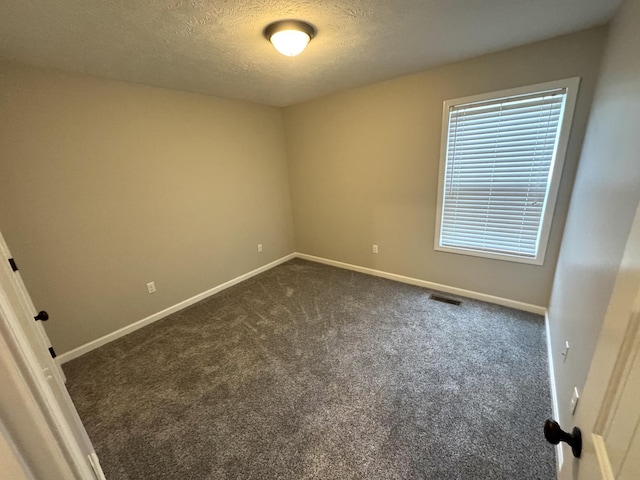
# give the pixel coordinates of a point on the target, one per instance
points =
(440, 298)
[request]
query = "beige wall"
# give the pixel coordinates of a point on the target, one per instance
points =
(363, 166)
(107, 186)
(604, 201)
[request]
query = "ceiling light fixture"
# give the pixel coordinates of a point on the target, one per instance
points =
(290, 37)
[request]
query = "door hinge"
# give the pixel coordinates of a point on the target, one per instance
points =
(14, 267)
(52, 352)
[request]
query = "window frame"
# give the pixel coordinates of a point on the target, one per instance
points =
(557, 163)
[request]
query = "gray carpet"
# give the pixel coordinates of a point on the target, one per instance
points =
(309, 371)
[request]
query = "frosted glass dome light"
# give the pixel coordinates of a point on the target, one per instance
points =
(290, 37)
(290, 42)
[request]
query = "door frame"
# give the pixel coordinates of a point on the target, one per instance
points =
(618, 343)
(21, 359)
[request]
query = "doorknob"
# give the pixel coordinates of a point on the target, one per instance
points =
(554, 434)
(42, 315)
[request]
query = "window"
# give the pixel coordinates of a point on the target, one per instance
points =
(501, 160)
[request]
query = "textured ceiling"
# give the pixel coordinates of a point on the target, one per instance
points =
(216, 46)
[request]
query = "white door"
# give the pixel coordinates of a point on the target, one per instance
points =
(609, 411)
(31, 349)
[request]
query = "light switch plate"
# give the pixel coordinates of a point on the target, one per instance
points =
(574, 400)
(565, 354)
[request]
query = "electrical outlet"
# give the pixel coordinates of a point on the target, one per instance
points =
(574, 400)
(375, 249)
(565, 353)
(259, 248)
(151, 287)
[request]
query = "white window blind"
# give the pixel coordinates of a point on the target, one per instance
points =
(499, 161)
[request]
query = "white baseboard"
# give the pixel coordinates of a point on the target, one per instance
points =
(87, 347)
(527, 307)
(554, 393)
